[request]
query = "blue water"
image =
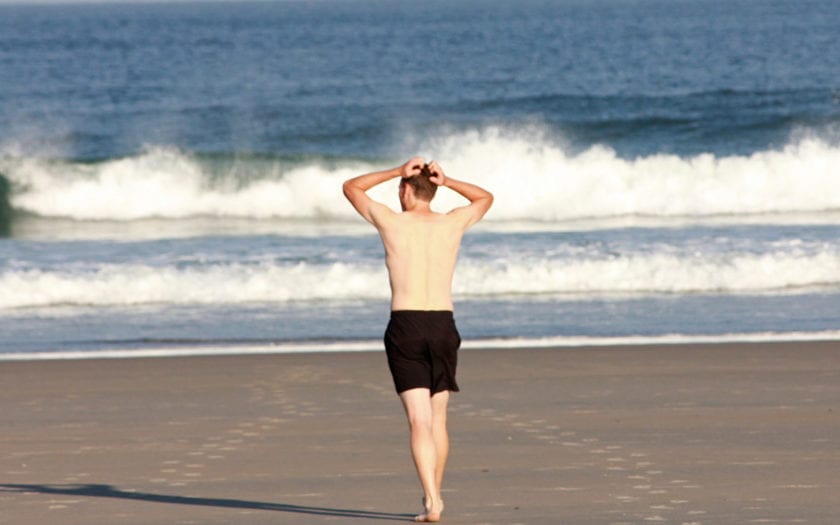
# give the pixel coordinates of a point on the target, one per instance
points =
(170, 173)
(351, 78)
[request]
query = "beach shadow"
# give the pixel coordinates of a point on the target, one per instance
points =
(109, 491)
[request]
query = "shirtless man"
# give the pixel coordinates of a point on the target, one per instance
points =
(421, 341)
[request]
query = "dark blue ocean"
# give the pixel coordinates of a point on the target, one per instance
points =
(170, 174)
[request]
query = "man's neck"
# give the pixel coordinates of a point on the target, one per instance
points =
(418, 206)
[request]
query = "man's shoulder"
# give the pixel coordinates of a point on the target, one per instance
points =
(380, 213)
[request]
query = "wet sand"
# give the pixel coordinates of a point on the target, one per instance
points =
(684, 434)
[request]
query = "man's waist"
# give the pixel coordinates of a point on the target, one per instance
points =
(446, 314)
(425, 304)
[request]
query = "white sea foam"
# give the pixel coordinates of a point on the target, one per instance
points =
(139, 284)
(651, 273)
(167, 183)
(639, 274)
(534, 178)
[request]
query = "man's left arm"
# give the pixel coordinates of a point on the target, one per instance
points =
(355, 189)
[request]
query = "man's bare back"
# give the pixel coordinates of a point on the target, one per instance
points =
(421, 246)
(421, 342)
(420, 252)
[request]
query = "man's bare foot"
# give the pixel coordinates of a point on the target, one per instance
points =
(432, 514)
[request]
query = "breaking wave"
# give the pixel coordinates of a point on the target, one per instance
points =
(534, 178)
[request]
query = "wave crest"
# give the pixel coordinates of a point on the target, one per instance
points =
(534, 177)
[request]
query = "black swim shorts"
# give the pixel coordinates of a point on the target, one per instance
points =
(422, 348)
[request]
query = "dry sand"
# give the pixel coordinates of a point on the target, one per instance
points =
(687, 434)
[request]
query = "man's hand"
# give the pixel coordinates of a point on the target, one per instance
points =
(438, 176)
(412, 167)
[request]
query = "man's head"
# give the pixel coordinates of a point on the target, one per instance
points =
(422, 186)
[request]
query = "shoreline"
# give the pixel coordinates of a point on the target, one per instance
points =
(561, 342)
(702, 434)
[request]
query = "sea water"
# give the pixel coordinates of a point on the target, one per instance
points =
(170, 174)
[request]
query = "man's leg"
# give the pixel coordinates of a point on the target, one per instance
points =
(418, 409)
(440, 434)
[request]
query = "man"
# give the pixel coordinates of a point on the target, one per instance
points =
(421, 341)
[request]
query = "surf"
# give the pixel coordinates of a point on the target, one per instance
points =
(536, 179)
(192, 282)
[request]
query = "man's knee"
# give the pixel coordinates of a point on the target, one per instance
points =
(420, 420)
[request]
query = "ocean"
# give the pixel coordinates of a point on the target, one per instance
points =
(170, 173)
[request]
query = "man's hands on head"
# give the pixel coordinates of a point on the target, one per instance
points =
(355, 190)
(417, 165)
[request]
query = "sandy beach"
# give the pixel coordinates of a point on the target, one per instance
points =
(684, 434)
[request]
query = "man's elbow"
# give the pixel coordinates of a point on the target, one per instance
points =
(482, 205)
(348, 188)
